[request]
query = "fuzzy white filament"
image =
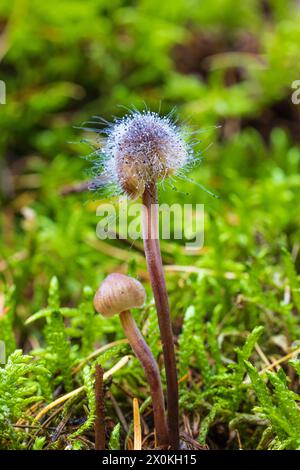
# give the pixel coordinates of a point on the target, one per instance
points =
(142, 148)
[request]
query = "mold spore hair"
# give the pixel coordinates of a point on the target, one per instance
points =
(143, 148)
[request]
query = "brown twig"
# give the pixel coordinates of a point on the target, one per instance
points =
(100, 410)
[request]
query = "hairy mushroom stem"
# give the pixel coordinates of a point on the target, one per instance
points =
(144, 354)
(158, 284)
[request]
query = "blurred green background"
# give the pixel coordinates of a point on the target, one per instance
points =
(227, 67)
(220, 63)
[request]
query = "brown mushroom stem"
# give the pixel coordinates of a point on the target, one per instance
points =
(144, 355)
(158, 284)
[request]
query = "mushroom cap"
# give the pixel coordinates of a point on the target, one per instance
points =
(117, 293)
(142, 148)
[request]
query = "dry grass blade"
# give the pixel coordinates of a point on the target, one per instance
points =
(113, 251)
(121, 363)
(97, 352)
(137, 432)
(194, 269)
(281, 360)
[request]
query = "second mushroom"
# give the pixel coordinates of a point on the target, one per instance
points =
(117, 295)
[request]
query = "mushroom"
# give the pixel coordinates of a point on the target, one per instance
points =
(117, 295)
(140, 150)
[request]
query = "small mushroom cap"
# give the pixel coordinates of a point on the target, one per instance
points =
(118, 293)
